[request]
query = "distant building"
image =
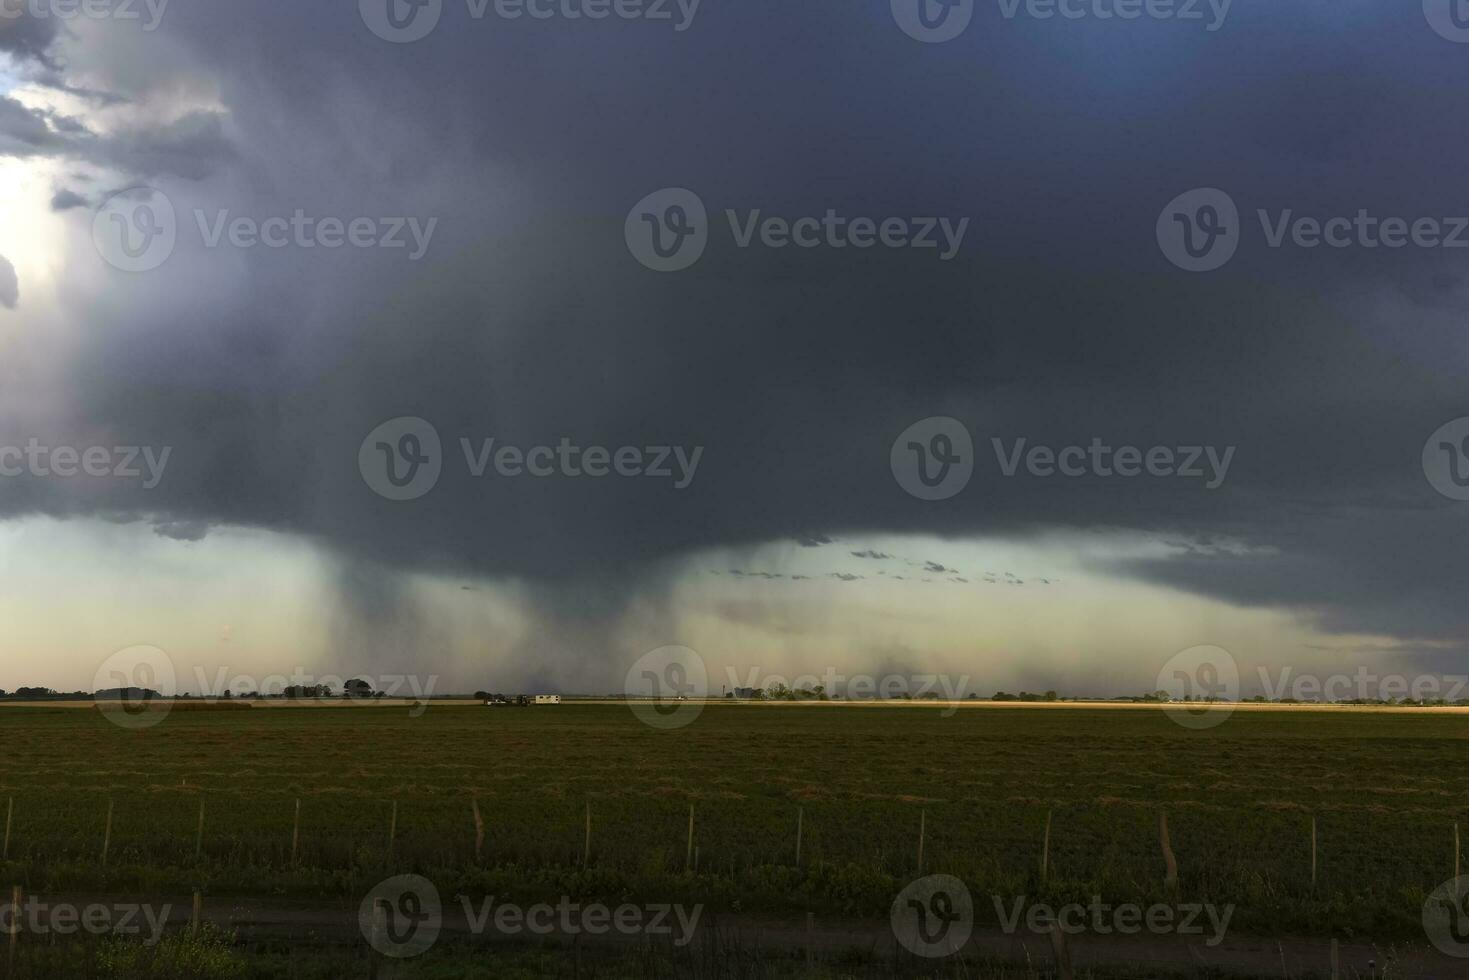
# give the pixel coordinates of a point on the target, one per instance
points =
(747, 693)
(548, 699)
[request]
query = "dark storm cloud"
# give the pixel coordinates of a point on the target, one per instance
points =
(9, 286)
(28, 39)
(192, 147)
(23, 132)
(182, 530)
(65, 200)
(1058, 321)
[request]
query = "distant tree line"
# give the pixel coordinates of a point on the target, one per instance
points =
(44, 693)
(781, 692)
(352, 689)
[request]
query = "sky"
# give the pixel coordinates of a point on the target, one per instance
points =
(293, 466)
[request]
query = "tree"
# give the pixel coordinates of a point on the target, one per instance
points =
(297, 692)
(357, 688)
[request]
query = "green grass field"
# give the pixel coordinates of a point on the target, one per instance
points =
(1385, 790)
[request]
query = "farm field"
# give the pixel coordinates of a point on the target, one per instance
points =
(1385, 791)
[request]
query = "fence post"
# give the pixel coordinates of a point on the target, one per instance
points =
(688, 860)
(1170, 880)
(800, 819)
(199, 840)
(479, 832)
(15, 897)
(1456, 859)
(1063, 955)
(379, 926)
(9, 814)
(198, 918)
(587, 848)
(922, 833)
(393, 830)
(810, 941)
(296, 834)
(1046, 849)
(1313, 852)
(1335, 960)
(107, 836)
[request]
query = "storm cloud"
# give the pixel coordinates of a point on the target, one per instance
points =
(9, 286)
(528, 320)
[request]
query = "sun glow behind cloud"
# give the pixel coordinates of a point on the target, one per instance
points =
(31, 237)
